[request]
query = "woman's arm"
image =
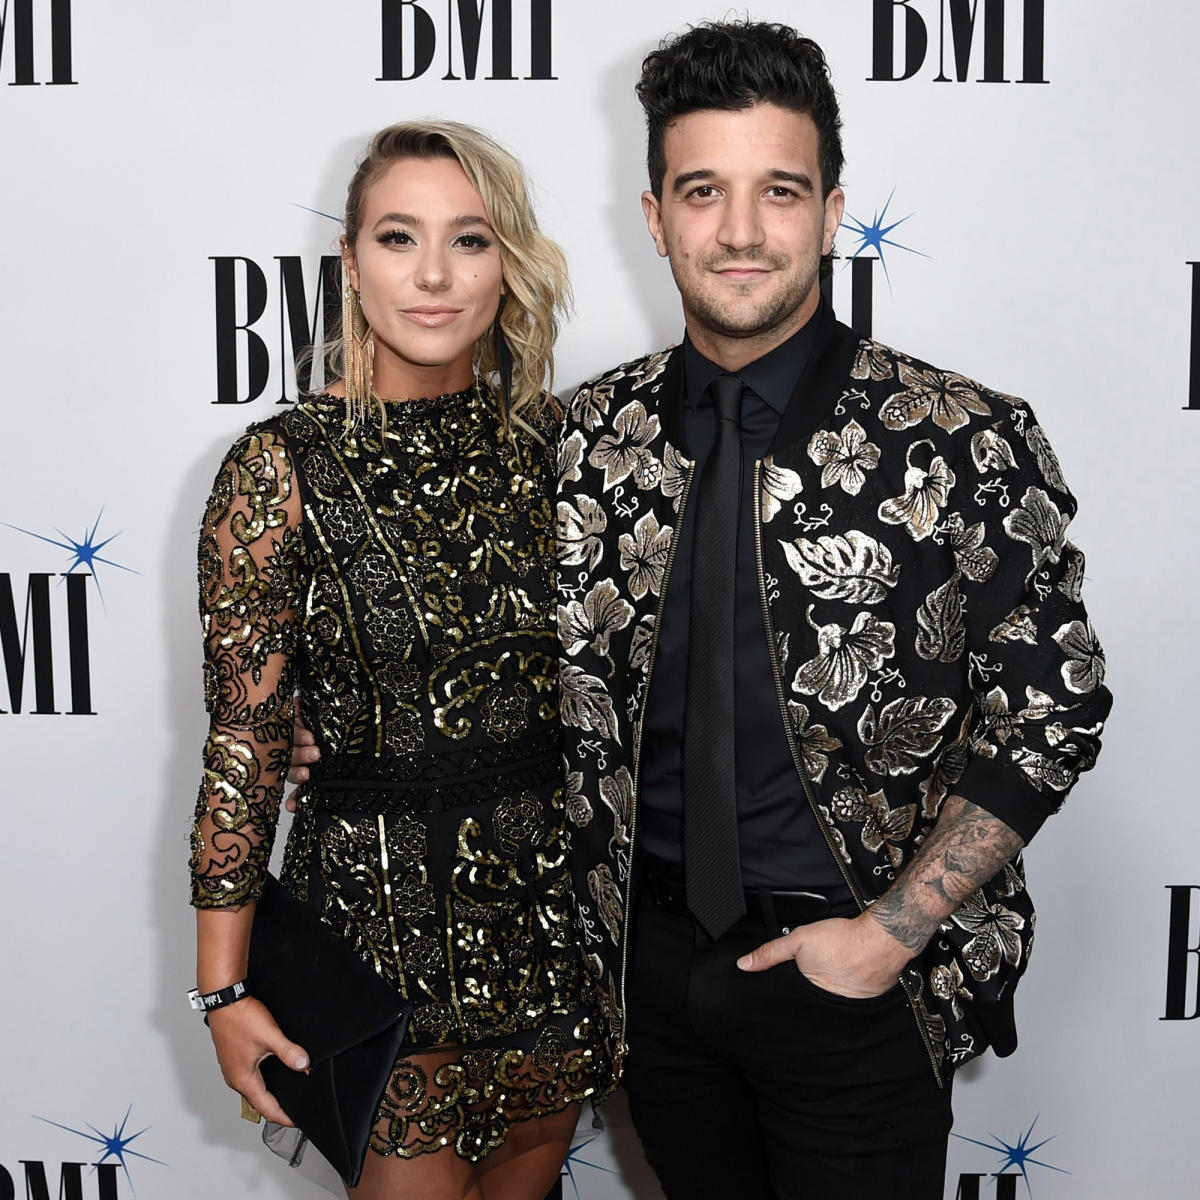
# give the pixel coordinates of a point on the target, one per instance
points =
(249, 546)
(244, 1032)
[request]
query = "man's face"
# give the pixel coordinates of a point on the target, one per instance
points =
(744, 225)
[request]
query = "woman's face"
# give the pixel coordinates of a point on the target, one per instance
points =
(426, 265)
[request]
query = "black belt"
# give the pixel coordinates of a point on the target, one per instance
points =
(774, 908)
(430, 783)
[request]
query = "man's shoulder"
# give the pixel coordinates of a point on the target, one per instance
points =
(954, 412)
(889, 369)
(633, 375)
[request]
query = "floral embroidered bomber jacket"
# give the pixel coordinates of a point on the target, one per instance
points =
(922, 605)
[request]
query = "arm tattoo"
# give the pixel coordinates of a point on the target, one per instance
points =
(964, 849)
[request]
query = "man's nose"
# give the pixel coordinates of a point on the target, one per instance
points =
(741, 226)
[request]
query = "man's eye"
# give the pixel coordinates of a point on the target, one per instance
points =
(704, 192)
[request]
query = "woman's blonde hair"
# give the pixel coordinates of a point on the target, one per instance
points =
(535, 270)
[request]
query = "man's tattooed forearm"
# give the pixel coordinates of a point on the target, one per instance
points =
(895, 914)
(964, 849)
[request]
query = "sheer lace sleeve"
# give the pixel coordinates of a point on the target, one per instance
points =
(250, 550)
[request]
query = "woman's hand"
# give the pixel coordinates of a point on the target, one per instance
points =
(244, 1033)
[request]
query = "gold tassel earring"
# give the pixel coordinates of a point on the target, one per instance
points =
(358, 354)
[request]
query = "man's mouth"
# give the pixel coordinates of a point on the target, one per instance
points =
(742, 272)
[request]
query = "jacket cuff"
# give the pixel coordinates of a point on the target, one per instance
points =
(1000, 787)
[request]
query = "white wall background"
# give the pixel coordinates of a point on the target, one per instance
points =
(1054, 223)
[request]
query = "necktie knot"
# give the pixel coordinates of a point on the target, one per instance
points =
(727, 397)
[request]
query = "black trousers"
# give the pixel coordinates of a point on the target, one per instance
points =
(756, 1086)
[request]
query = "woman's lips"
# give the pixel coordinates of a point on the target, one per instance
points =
(431, 317)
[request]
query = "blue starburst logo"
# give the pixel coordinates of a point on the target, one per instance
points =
(1019, 1155)
(84, 553)
(575, 1160)
(874, 236)
(115, 1144)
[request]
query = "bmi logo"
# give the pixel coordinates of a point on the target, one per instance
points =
(44, 629)
(872, 235)
(101, 1181)
(412, 38)
(244, 291)
(49, 35)
(986, 33)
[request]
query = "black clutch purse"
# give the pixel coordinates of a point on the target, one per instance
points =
(350, 1022)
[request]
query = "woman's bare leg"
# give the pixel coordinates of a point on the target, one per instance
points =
(438, 1176)
(531, 1159)
(524, 1167)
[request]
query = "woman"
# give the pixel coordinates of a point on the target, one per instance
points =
(385, 550)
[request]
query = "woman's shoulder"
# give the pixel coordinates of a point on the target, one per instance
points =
(289, 431)
(258, 442)
(257, 472)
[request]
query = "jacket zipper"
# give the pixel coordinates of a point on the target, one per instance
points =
(622, 1049)
(799, 762)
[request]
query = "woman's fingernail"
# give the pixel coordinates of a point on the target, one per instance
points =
(301, 1062)
(744, 962)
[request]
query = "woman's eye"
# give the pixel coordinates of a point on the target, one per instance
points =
(473, 241)
(396, 237)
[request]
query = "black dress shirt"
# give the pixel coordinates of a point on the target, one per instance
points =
(779, 841)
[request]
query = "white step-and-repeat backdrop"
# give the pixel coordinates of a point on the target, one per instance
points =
(1022, 184)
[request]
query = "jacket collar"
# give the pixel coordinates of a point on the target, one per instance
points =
(816, 392)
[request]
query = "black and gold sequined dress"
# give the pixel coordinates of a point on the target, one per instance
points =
(400, 580)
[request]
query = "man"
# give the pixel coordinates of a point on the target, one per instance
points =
(825, 671)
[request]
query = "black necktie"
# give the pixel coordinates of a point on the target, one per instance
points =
(710, 844)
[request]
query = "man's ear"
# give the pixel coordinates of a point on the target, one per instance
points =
(652, 207)
(835, 205)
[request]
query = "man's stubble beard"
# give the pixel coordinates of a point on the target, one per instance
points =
(759, 322)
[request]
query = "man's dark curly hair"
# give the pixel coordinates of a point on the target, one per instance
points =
(732, 65)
